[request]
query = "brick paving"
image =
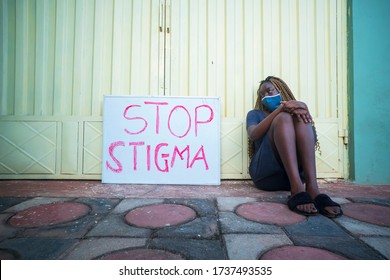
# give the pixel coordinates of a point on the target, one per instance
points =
(79, 220)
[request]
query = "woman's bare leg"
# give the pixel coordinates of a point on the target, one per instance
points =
(306, 151)
(293, 141)
(285, 140)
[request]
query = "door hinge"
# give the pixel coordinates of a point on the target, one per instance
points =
(343, 133)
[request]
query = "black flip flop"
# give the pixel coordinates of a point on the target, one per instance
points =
(300, 199)
(322, 201)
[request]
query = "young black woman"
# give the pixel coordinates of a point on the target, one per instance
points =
(284, 141)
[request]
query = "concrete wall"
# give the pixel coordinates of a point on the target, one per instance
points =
(370, 91)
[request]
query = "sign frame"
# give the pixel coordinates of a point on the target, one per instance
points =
(161, 140)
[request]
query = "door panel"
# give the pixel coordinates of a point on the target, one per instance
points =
(59, 58)
(224, 48)
(28, 147)
(92, 148)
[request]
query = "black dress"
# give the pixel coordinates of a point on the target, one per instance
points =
(266, 171)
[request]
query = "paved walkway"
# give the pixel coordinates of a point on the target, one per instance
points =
(80, 220)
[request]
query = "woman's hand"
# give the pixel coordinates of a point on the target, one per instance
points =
(297, 109)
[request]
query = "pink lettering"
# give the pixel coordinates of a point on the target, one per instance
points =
(197, 121)
(157, 112)
(200, 157)
(156, 153)
(189, 121)
(176, 151)
(135, 144)
(134, 118)
(148, 157)
(161, 158)
(119, 167)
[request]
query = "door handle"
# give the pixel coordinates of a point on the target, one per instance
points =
(168, 16)
(161, 17)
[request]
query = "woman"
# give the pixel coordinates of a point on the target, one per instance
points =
(283, 143)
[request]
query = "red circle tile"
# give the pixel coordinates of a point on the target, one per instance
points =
(142, 254)
(269, 213)
(160, 215)
(300, 253)
(370, 213)
(49, 214)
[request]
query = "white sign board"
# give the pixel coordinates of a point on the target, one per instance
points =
(161, 140)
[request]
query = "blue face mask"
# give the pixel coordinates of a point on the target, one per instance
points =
(271, 102)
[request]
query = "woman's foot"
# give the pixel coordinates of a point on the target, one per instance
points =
(327, 207)
(302, 203)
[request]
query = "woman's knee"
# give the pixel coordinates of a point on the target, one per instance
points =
(282, 122)
(284, 118)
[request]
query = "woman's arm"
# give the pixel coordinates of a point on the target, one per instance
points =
(298, 109)
(257, 131)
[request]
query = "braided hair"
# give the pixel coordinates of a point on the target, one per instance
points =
(287, 95)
